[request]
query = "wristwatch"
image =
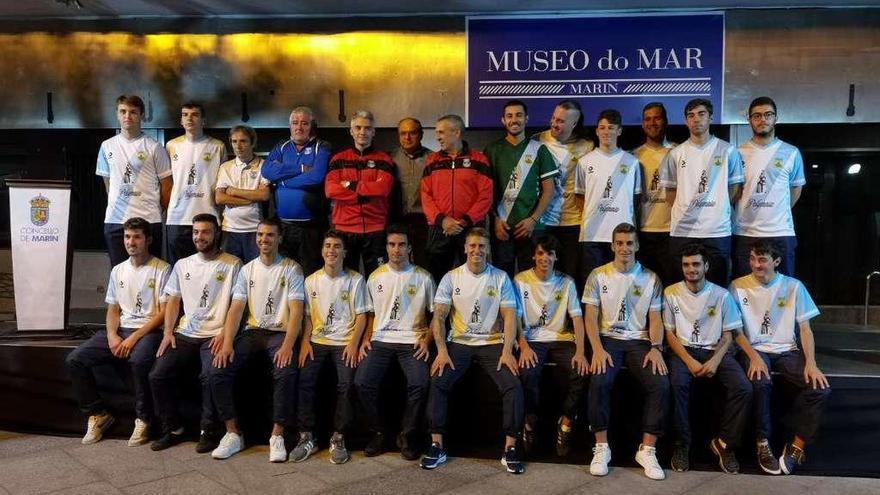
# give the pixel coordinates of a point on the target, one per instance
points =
(659, 347)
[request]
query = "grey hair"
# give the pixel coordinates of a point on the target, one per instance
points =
(363, 114)
(454, 119)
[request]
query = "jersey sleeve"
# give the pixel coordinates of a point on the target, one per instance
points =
(735, 173)
(591, 289)
(637, 180)
(574, 308)
(656, 295)
(360, 300)
(508, 296)
(163, 281)
(240, 288)
(172, 287)
(224, 177)
(668, 314)
(580, 179)
(307, 300)
(444, 291)
(731, 318)
(110, 298)
(796, 178)
(162, 161)
(430, 290)
(668, 178)
(368, 296)
(103, 166)
(805, 308)
(295, 285)
(546, 164)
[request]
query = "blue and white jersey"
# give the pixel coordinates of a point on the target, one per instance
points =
(624, 300)
(195, 165)
(770, 172)
(608, 184)
(268, 291)
(134, 167)
(475, 301)
(698, 319)
(137, 290)
(205, 288)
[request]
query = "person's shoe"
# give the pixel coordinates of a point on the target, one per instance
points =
(681, 460)
(601, 458)
(277, 449)
(407, 450)
(512, 461)
(229, 445)
(141, 433)
(768, 462)
(647, 458)
(563, 439)
(168, 439)
(97, 425)
(791, 458)
(726, 458)
(208, 441)
(338, 453)
(304, 448)
(376, 445)
(434, 458)
(529, 435)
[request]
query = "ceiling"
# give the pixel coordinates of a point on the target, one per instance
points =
(109, 9)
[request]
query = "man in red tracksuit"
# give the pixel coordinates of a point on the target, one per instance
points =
(456, 194)
(359, 180)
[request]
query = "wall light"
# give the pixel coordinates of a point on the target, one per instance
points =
(854, 168)
(815, 166)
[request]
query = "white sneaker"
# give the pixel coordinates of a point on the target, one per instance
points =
(601, 458)
(647, 458)
(229, 445)
(97, 425)
(141, 433)
(277, 449)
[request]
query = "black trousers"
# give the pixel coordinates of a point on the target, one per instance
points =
(301, 241)
(370, 247)
(180, 242)
(654, 255)
(444, 252)
(166, 374)
(308, 381)
(513, 255)
(569, 257)
(559, 353)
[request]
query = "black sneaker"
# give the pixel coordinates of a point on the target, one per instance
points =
(768, 462)
(791, 458)
(529, 435)
(168, 439)
(681, 457)
(208, 441)
(407, 449)
(435, 457)
(512, 461)
(376, 445)
(563, 439)
(726, 458)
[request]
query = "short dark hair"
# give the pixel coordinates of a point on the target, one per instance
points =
(478, 232)
(697, 102)
(766, 247)
(514, 103)
(656, 104)
(132, 100)
(397, 229)
(762, 100)
(625, 228)
(694, 249)
(547, 242)
(250, 131)
(272, 222)
(192, 105)
(335, 234)
(208, 218)
(578, 129)
(138, 223)
(611, 115)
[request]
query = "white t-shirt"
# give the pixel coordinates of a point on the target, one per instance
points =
(655, 212)
(236, 173)
(563, 209)
(700, 176)
(764, 210)
(195, 165)
(400, 301)
(268, 290)
(698, 319)
(134, 168)
(608, 183)
(547, 308)
(137, 290)
(205, 287)
(475, 303)
(770, 312)
(623, 299)
(332, 304)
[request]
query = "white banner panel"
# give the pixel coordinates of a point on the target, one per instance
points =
(39, 220)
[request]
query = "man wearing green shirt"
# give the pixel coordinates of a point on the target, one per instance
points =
(524, 173)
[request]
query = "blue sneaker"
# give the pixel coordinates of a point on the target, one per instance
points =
(435, 457)
(791, 458)
(512, 461)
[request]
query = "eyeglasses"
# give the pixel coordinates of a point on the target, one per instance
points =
(765, 115)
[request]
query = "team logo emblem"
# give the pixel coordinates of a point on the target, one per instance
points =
(379, 288)
(457, 291)
(637, 290)
(141, 156)
(206, 157)
(174, 157)
(716, 161)
(219, 276)
(711, 311)
(589, 169)
(253, 174)
(491, 291)
(371, 164)
(528, 159)
(40, 210)
(624, 169)
(411, 289)
(745, 301)
(525, 294)
(151, 284)
(282, 282)
(186, 277)
(604, 289)
(780, 301)
(308, 151)
(777, 163)
(344, 295)
(557, 295)
(109, 154)
(466, 163)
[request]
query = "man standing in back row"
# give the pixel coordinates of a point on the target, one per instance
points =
(409, 160)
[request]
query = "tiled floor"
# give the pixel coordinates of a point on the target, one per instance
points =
(31, 464)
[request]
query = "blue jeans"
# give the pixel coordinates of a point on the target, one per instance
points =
(96, 351)
(369, 377)
(742, 246)
(241, 244)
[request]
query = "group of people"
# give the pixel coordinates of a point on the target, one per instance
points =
(503, 287)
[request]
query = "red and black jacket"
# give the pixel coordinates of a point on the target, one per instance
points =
(362, 206)
(459, 187)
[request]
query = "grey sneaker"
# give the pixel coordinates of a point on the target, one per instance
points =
(338, 453)
(304, 448)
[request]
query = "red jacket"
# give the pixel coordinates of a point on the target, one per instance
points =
(361, 207)
(459, 187)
